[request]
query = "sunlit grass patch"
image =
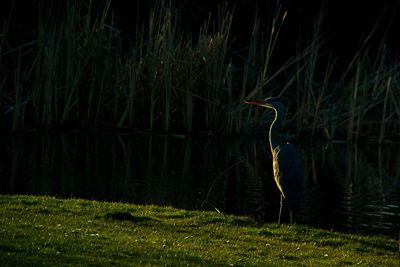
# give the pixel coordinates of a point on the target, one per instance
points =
(82, 232)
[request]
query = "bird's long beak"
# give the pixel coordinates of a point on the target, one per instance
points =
(259, 103)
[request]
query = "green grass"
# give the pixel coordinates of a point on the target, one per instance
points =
(40, 231)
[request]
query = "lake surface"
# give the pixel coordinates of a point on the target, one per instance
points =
(347, 187)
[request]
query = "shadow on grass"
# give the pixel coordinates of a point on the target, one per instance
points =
(126, 216)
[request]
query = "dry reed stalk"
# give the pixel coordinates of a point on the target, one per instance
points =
(18, 114)
(352, 105)
(189, 85)
(265, 77)
(384, 111)
(248, 77)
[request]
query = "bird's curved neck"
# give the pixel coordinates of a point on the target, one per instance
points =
(274, 138)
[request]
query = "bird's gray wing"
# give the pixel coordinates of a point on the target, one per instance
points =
(288, 173)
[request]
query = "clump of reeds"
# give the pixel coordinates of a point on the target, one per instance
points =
(75, 66)
(361, 104)
(172, 80)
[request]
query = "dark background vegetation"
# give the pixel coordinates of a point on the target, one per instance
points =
(346, 23)
(343, 31)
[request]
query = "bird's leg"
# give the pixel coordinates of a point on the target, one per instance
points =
(291, 217)
(280, 210)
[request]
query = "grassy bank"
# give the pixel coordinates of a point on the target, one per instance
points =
(48, 231)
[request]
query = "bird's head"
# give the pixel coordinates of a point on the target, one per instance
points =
(269, 102)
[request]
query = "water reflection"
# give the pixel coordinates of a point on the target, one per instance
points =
(356, 186)
(347, 187)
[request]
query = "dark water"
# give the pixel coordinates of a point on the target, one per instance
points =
(347, 187)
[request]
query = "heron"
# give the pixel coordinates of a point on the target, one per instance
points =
(286, 163)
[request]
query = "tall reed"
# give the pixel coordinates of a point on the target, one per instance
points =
(18, 105)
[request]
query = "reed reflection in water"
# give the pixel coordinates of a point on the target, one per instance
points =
(347, 187)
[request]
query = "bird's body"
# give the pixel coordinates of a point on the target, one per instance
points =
(287, 168)
(288, 175)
